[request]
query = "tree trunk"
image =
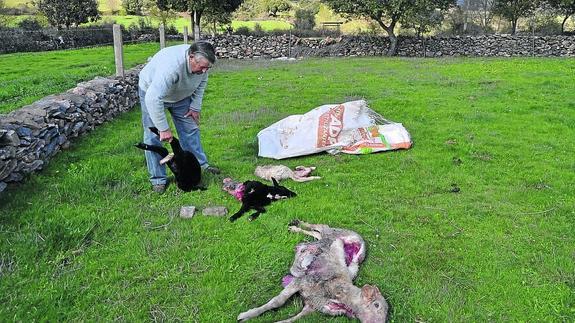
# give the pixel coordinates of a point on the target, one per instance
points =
(563, 24)
(392, 44)
(196, 26)
(465, 13)
(513, 26)
(193, 25)
(392, 38)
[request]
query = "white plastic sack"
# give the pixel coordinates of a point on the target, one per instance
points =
(351, 127)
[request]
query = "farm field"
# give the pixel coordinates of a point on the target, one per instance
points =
(179, 23)
(87, 240)
(28, 77)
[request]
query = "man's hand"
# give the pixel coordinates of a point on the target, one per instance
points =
(194, 115)
(166, 135)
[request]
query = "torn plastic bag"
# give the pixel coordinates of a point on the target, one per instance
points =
(351, 128)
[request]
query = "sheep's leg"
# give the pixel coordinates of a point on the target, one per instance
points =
(315, 227)
(314, 234)
(305, 311)
(275, 302)
(311, 168)
(304, 179)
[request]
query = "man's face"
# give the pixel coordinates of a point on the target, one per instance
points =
(199, 65)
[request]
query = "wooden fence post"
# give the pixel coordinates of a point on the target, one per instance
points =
(118, 50)
(185, 34)
(162, 37)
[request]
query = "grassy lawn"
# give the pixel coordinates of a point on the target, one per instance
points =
(27, 77)
(87, 240)
(179, 23)
(15, 3)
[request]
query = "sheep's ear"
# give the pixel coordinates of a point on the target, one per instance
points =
(275, 182)
(370, 293)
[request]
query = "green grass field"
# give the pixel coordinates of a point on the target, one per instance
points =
(87, 240)
(28, 77)
(15, 3)
(179, 23)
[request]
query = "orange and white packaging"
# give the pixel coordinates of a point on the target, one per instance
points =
(350, 127)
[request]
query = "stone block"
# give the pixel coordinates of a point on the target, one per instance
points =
(9, 138)
(187, 212)
(7, 168)
(215, 211)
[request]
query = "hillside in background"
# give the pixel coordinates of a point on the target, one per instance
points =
(108, 6)
(104, 6)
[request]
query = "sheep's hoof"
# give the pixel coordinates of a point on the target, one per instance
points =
(166, 159)
(294, 223)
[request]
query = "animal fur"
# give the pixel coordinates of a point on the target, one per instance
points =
(255, 195)
(322, 273)
(182, 163)
(281, 172)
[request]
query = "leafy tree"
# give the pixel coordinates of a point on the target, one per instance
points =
(68, 12)
(565, 8)
(304, 19)
(214, 16)
(424, 18)
(482, 9)
(114, 6)
(273, 7)
(387, 13)
(197, 9)
(513, 10)
(150, 8)
(312, 5)
(248, 10)
(133, 7)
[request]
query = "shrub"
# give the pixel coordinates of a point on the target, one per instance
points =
(258, 30)
(171, 30)
(30, 23)
(133, 7)
(304, 19)
(243, 30)
(545, 24)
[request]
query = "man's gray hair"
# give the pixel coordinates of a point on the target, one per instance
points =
(203, 49)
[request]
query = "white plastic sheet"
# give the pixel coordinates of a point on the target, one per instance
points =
(351, 128)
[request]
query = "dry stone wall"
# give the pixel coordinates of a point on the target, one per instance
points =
(239, 46)
(30, 136)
